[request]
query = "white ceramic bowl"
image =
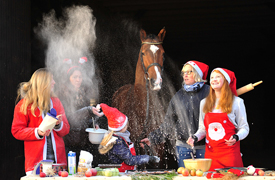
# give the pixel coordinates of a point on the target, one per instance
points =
(96, 135)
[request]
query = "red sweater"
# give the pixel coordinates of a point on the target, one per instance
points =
(24, 127)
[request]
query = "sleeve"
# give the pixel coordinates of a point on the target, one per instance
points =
(241, 120)
(20, 129)
(201, 133)
(123, 153)
(77, 118)
(64, 127)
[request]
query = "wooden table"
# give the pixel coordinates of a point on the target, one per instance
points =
(77, 178)
(123, 177)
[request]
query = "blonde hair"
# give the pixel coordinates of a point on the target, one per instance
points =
(226, 100)
(37, 92)
(196, 75)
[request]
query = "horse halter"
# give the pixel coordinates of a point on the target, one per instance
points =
(152, 64)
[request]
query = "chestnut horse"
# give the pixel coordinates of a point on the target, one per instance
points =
(140, 102)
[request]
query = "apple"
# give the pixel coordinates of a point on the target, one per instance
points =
(180, 170)
(64, 174)
(116, 172)
(199, 173)
(108, 173)
(185, 172)
(100, 172)
(88, 173)
(93, 171)
(261, 172)
(59, 173)
(193, 172)
(42, 174)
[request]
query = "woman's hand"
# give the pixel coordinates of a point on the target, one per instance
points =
(97, 112)
(41, 133)
(231, 141)
(190, 141)
(59, 118)
(145, 140)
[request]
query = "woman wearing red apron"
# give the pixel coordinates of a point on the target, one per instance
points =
(222, 121)
(117, 143)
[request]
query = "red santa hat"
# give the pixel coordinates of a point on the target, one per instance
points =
(200, 67)
(230, 77)
(116, 119)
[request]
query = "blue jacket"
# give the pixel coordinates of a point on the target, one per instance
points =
(121, 153)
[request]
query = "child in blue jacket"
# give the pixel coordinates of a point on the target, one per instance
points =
(117, 144)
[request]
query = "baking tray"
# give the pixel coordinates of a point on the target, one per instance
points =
(151, 171)
(239, 168)
(109, 165)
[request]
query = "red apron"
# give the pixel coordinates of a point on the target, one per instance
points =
(124, 166)
(218, 129)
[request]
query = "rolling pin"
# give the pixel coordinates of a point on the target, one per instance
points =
(247, 88)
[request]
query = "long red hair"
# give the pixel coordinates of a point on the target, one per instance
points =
(226, 100)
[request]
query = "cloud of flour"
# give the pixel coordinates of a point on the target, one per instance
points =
(71, 36)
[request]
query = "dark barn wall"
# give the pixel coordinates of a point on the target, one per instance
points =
(240, 44)
(15, 59)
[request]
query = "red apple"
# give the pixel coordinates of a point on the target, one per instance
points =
(199, 173)
(64, 174)
(88, 173)
(42, 174)
(93, 171)
(193, 172)
(185, 172)
(261, 172)
(59, 173)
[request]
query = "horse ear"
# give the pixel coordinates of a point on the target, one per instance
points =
(142, 35)
(161, 34)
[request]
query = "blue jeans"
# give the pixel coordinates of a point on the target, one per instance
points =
(184, 153)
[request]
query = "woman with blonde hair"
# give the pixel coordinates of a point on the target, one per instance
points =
(222, 121)
(36, 98)
(182, 116)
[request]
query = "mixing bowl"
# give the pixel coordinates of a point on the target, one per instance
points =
(96, 135)
(200, 163)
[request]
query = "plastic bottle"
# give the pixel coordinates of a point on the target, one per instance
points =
(71, 163)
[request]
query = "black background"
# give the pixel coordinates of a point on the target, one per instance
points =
(235, 35)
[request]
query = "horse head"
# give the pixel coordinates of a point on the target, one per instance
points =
(152, 58)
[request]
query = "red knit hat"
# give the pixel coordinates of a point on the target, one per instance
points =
(200, 67)
(116, 119)
(230, 77)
